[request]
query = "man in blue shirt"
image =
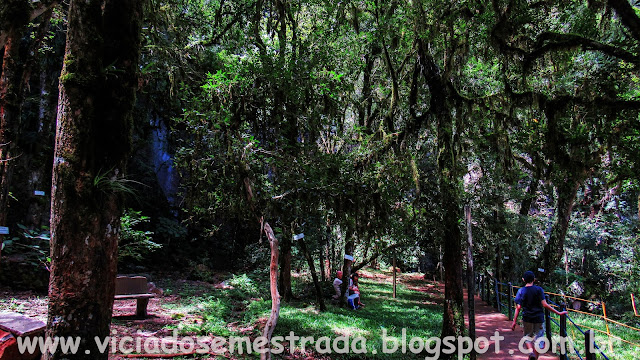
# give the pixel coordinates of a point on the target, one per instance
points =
(530, 300)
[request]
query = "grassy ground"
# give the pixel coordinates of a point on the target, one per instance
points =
(619, 350)
(243, 309)
(239, 305)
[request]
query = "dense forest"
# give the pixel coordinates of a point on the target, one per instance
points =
(200, 137)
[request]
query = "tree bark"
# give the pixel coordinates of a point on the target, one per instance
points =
(97, 94)
(530, 196)
(284, 280)
(321, 263)
(275, 296)
(442, 103)
(314, 275)
(554, 249)
(628, 16)
(471, 281)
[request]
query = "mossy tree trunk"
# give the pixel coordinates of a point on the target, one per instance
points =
(442, 105)
(567, 189)
(97, 94)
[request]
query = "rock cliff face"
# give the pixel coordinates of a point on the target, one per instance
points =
(163, 160)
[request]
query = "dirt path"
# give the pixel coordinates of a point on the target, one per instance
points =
(488, 321)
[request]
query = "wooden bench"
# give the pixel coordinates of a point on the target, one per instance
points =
(13, 325)
(134, 287)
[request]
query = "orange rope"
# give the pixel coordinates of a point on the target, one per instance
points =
(586, 313)
(623, 325)
(571, 297)
(603, 317)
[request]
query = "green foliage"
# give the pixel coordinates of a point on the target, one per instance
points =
(135, 243)
(169, 228)
(31, 244)
(107, 182)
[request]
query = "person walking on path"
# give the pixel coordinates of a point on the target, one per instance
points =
(530, 300)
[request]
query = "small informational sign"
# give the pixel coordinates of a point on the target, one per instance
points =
(39, 193)
(540, 269)
(506, 258)
(298, 237)
(348, 257)
(4, 230)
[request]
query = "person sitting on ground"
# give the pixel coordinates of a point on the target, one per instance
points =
(354, 287)
(337, 282)
(530, 300)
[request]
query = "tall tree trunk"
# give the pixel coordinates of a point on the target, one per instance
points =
(97, 94)
(321, 263)
(442, 104)
(471, 281)
(284, 280)
(531, 195)
(567, 189)
(314, 275)
(270, 326)
(453, 318)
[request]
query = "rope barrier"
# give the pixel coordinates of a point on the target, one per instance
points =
(572, 297)
(588, 314)
(624, 341)
(578, 326)
(601, 353)
(577, 353)
(623, 325)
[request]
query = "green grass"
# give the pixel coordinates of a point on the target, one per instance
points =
(410, 311)
(619, 349)
(214, 311)
(204, 311)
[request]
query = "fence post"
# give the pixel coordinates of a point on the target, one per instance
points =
(510, 302)
(589, 339)
(547, 320)
(606, 322)
(563, 333)
(497, 288)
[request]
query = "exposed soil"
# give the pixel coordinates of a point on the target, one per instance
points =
(125, 323)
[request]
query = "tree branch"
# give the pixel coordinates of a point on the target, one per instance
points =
(627, 15)
(549, 41)
(373, 257)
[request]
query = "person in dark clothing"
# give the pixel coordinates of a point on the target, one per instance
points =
(531, 302)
